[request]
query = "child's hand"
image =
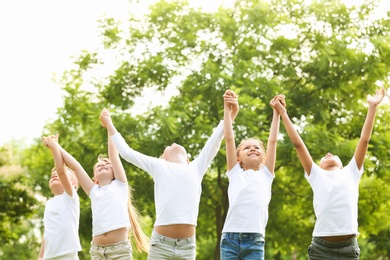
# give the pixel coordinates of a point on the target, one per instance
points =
(282, 99)
(231, 101)
(105, 117)
(278, 103)
(375, 100)
(50, 141)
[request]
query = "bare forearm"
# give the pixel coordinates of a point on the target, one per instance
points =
(368, 125)
(291, 131)
(300, 147)
(58, 160)
(69, 159)
(274, 131)
(111, 130)
(228, 124)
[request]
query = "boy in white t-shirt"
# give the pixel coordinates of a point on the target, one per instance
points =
(62, 212)
(335, 189)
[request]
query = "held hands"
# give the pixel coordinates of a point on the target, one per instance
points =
(278, 103)
(50, 141)
(231, 101)
(375, 100)
(105, 117)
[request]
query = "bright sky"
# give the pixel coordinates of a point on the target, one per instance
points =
(38, 39)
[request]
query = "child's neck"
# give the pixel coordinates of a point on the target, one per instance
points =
(251, 167)
(332, 168)
(177, 159)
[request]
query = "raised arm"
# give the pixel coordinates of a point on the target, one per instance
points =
(365, 136)
(119, 171)
(230, 110)
(300, 147)
(270, 156)
(84, 180)
(52, 143)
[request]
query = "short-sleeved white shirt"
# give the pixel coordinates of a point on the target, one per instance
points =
(249, 195)
(109, 205)
(335, 199)
(61, 225)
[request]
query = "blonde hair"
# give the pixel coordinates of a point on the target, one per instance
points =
(255, 139)
(141, 240)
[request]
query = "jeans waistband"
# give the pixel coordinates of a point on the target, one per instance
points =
(348, 242)
(244, 236)
(173, 241)
(112, 246)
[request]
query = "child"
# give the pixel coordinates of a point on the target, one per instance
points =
(177, 191)
(335, 189)
(62, 212)
(250, 172)
(112, 213)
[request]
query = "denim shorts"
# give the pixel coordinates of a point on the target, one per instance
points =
(248, 246)
(344, 250)
(120, 251)
(162, 247)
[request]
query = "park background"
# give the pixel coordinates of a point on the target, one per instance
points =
(162, 74)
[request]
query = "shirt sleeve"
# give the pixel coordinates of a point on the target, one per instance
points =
(354, 168)
(138, 159)
(313, 172)
(210, 149)
(268, 172)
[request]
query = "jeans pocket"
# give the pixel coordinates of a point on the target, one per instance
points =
(155, 242)
(259, 239)
(259, 242)
(356, 251)
(309, 249)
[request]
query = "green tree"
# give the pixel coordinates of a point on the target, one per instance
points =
(18, 206)
(323, 56)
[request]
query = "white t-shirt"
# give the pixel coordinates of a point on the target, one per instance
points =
(335, 199)
(177, 187)
(109, 205)
(249, 195)
(61, 225)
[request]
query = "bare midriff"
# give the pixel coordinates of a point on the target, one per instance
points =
(337, 238)
(176, 230)
(111, 237)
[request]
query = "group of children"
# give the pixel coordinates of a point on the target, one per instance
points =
(177, 191)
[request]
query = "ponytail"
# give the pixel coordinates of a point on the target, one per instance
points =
(141, 240)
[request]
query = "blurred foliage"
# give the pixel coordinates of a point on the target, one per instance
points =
(325, 57)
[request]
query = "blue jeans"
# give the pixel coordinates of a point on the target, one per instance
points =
(162, 247)
(248, 246)
(322, 249)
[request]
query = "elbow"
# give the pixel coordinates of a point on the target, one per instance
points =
(229, 138)
(273, 141)
(297, 145)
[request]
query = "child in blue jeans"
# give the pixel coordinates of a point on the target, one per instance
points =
(250, 172)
